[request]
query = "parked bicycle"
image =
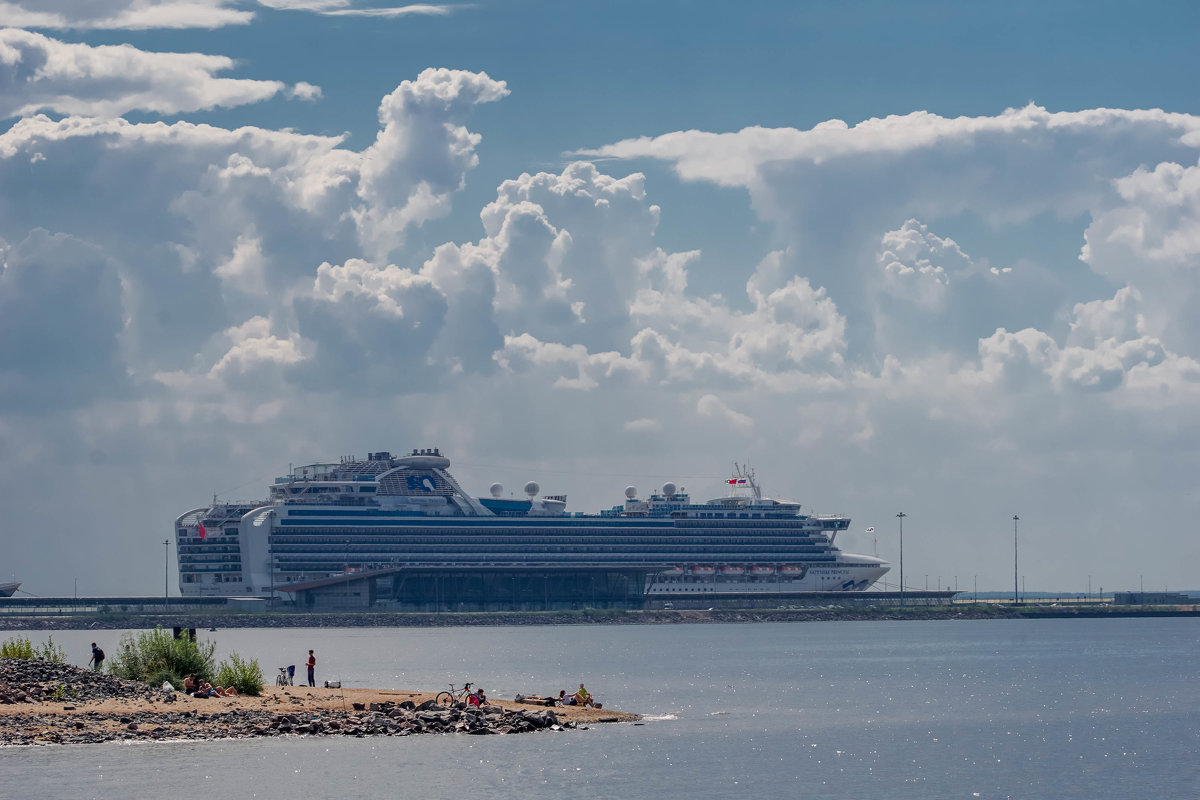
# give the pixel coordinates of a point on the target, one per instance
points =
(284, 678)
(453, 696)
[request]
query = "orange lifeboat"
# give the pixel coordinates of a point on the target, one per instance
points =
(702, 570)
(730, 570)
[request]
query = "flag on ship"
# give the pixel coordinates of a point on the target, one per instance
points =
(200, 525)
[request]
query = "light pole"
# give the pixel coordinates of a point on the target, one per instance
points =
(1016, 597)
(166, 568)
(901, 517)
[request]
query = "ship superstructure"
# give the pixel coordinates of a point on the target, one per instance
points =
(407, 520)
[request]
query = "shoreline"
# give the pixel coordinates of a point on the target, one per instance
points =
(148, 714)
(121, 621)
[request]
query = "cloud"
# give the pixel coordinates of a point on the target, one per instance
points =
(712, 406)
(305, 91)
(60, 323)
(122, 14)
(43, 74)
(342, 8)
(255, 224)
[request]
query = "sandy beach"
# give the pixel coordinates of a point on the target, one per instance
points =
(43, 703)
(290, 699)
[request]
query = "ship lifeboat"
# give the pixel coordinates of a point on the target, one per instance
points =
(733, 570)
(762, 570)
(792, 570)
(702, 570)
(673, 572)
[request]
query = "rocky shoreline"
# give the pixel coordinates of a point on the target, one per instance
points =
(44, 702)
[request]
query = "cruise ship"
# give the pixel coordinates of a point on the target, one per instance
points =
(399, 532)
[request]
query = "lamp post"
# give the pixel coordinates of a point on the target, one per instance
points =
(166, 568)
(901, 517)
(1016, 597)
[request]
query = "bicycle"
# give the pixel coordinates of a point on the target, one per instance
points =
(284, 678)
(453, 696)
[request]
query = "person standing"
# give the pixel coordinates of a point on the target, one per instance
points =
(97, 657)
(312, 667)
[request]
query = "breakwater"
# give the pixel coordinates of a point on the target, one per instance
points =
(202, 621)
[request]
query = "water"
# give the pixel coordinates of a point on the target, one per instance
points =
(990, 709)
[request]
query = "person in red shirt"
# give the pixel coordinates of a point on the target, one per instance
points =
(312, 666)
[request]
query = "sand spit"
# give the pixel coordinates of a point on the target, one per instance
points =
(46, 703)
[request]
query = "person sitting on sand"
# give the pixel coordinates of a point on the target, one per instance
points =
(189, 684)
(583, 697)
(477, 699)
(566, 699)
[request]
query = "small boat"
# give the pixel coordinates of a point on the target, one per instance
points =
(793, 570)
(702, 570)
(9, 589)
(761, 570)
(733, 570)
(673, 572)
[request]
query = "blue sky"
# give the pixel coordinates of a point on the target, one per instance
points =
(932, 257)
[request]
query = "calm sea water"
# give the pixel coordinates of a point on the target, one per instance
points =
(990, 709)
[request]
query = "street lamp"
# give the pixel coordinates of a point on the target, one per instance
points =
(166, 568)
(901, 517)
(1016, 597)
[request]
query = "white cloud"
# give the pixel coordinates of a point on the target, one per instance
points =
(122, 14)
(713, 407)
(305, 91)
(41, 73)
(344, 8)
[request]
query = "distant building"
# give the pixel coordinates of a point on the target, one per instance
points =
(1151, 599)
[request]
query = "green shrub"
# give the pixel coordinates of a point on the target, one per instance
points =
(245, 676)
(149, 654)
(16, 647)
(51, 652)
(22, 647)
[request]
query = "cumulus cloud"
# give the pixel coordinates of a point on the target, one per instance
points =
(243, 220)
(43, 74)
(122, 14)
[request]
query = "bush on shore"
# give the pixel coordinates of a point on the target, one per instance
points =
(155, 656)
(245, 676)
(22, 647)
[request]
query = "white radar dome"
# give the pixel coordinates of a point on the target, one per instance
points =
(631, 492)
(669, 489)
(496, 489)
(532, 489)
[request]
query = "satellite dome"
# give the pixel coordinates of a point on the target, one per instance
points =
(631, 492)
(532, 489)
(669, 489)
(496, 489)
